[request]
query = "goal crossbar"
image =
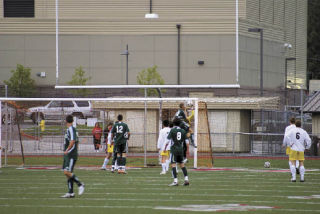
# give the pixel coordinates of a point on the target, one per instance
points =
(145, 86)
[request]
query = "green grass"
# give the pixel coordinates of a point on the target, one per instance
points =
(142, 190)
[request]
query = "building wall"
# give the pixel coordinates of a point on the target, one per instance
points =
(224, 124)
(94, 33)
(316, 124)
(283, 22)
(101, 59)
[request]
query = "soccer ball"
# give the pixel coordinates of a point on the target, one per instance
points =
(267, 164)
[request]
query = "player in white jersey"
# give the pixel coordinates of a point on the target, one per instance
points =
(163, 147)
(288, 149)
(299, 141)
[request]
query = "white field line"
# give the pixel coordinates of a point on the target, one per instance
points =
(164, 194)
(157, 189)
(164, 187)
(77, 206)
(284, 183)
(158, 200)
(153, 186)
(124, 207)
(203, 194)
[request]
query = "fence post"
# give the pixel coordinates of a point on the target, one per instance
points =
(233, 142)
(145, 129)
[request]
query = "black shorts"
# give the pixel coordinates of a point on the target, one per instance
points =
(96, 141)
(177, 156)
(120, 148)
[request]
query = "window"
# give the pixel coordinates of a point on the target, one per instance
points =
(18, 8)
(67, 104)
(82, 103)
(55, 104)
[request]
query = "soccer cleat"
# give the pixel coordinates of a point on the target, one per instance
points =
(186, 183)
(163, 173)
(297, 171)
(302, 180)
(293, 180)
(103, 168)
(81, 189)
(173, 184)
(68, 195)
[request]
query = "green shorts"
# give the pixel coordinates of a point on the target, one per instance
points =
(120, 148)
(177, 156)
(68, 163)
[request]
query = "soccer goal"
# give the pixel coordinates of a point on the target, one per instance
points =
(33, 129)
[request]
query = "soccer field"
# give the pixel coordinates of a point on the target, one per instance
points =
(143, 190)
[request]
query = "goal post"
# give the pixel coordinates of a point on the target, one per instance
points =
(140, 113)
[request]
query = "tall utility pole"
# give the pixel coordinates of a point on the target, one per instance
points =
(260, 30)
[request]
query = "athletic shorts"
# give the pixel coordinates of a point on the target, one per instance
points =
(68, 163)
(165, 153)
(110, 148)
(288, 150)
(177, 156)
(120, 148)
(96, 141)
(296, 155)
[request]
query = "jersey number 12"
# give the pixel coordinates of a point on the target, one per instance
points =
(119, 129)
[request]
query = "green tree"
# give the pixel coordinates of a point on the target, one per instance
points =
(20, 84)
(78, 78)
(150, 77)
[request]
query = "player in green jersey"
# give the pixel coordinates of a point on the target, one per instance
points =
(70, 157)
(178, 136)
(120, 133)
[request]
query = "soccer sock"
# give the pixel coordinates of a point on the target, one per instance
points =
(70, 185)
(124, 162)
(174, 172)
(167, 164)
(302, 170)
(293, 172)
(164, 166)
(290, 164)
(106, 160)
(116, 164)
(76, 179)
(297, 164)
(185, 173)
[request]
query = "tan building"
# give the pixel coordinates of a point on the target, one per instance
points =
(215, 45)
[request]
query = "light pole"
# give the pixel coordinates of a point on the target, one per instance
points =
(260, 30)
(126, 53)
(286, 79)
(151, 15)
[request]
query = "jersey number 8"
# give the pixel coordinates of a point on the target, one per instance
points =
(178, 135)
